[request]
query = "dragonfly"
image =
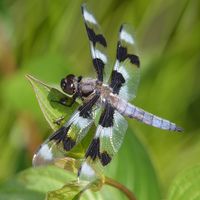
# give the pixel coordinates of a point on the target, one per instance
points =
(105, 99)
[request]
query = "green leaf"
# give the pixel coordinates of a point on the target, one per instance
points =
(19, 193)
(46, 96)
(73, 191)
(44, 179)
(67, 192)
(186, 185)
(35, 183)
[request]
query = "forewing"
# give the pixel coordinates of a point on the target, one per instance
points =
(69, 135)
(126, 74)
(98, 44)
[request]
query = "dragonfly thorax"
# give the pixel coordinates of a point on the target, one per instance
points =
(87, 86)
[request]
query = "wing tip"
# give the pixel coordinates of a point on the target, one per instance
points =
(83, 6)
(86, 172)
(88, 15)
(43, 156)
(121, 27)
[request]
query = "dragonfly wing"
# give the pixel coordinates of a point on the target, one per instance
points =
(98, 44)
(69, 135)
(108, 137)
(126, 73)
(105, 144)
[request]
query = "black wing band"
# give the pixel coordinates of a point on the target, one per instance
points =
(95, 151)
(93, 37)
(122, 55)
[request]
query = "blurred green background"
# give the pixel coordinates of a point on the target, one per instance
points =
(47, 39)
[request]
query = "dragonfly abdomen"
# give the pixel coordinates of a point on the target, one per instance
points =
(131, 111)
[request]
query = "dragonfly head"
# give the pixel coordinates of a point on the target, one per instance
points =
(69, 84)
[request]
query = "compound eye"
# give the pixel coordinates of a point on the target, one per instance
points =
(67, 84)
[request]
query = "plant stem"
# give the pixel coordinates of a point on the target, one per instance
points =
(119, 186)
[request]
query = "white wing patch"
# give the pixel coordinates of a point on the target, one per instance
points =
(82, 122)
(98, 54)
(98, 131)
(45, 152)
(106, 132)
(123, 71)
(89, 17)
(126, 37)
(103, 131)
(86, 170)
(79, 121)
(116, 65)
(43, 156)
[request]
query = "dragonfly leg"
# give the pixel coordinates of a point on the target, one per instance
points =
(59, 120)
(65, 101)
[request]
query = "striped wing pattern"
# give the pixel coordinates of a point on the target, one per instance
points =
(65, 138)
(105, 144)
(126, 74)
(98, 44)
(108, 137)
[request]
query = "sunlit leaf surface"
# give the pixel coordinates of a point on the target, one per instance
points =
(36, 183)
(186, 184)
